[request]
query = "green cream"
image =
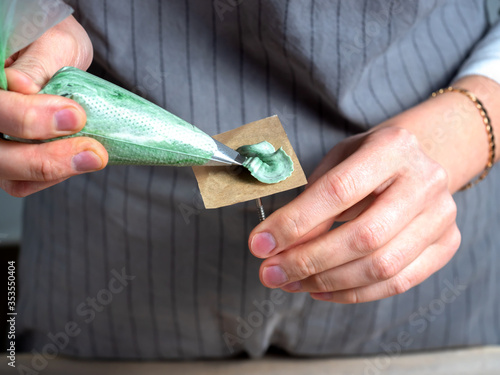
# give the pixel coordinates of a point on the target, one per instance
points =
(265, 163)
(132, 129)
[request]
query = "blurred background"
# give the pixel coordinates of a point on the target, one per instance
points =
(10, 219)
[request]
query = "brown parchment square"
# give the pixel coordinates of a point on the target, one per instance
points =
(224, 186)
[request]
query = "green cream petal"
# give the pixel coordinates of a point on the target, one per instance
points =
(265, 163)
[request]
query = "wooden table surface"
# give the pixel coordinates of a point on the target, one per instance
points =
(474, 361)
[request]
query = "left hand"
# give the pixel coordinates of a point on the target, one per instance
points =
(28, 168)
(400, 222)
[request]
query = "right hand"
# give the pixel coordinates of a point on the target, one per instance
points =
(28, 168)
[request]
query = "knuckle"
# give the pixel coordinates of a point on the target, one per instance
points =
(65, 40)
(36, 67)
(451, 208)
(456, 239)
(45, 170)
(407, 138)
(400, 284)
(447, 209)
(351, 297)
(290, 223)
(384, 267)
(433, 176)
(439, 176)
(305, 266)
(77, 49)
(404, 145)
(368, 236)
(28, 117)
(46, 167)
(402, 137)
(338, 188)
(321, 283)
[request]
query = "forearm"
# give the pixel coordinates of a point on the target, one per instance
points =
(451, 131)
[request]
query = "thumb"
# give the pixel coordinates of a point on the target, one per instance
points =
(66, 44)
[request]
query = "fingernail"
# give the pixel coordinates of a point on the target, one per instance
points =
(86, 161)
(262, 244)
(274, 276)
(322, 296)
(293, 287)
(66, 120)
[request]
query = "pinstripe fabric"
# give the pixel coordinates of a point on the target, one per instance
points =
(329, 69)
(267, 87)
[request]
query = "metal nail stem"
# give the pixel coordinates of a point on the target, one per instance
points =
(260, 209)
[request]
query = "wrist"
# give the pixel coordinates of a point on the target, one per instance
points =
(451, 130)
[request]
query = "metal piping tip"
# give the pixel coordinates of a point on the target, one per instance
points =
(225, 155)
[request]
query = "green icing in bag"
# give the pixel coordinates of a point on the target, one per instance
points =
(132, 129)
(265, 163)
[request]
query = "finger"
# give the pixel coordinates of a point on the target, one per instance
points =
(340, 188)
(355, 239)
(336, 155)
(10, 60)
(39, 116)
(65, 44)
(21, 189)
(50, 161)
(18, 81)
(347, 215)
(316, 232)
(353, 212)
(389, 260)
(431, 260)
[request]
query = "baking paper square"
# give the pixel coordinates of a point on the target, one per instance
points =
(224, 186)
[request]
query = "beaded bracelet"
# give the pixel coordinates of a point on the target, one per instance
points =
(489, 131)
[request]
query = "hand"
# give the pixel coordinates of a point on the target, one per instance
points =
(28, 168)
(400, 222)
